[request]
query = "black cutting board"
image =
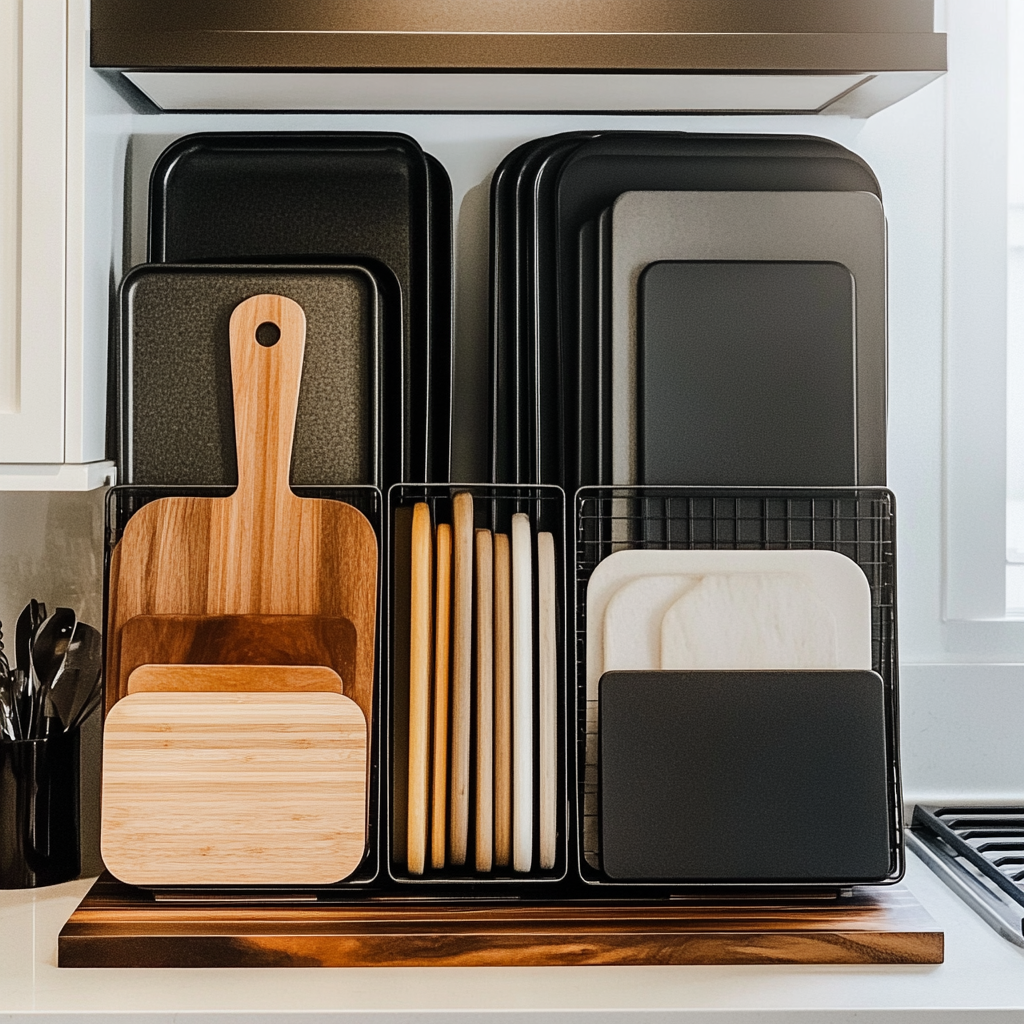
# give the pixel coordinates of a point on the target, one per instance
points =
(746, 374)
(758, 777)
(176, 419)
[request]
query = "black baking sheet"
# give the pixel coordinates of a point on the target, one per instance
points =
(176, 422)
(526, 375)
(319, 197)
(746, 374)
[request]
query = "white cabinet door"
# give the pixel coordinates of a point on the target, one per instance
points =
(33, 46)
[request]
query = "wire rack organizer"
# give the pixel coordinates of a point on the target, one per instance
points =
(856, 522)
(124, 500)
(494, 505)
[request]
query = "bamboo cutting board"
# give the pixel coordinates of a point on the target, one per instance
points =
(263, 550)
(233, 788)
(234, 679)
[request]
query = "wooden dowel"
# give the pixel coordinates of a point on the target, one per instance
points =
(442, 633)
(420, 644)
(462, 674)
(502, 701)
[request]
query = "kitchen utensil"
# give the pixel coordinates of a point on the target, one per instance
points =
(5, 665)
(31, 618)
(442, 648)
(50, 644)
(600, 170)
(21, 717)
(420, 644)
(748, 620)
(522, 693)
(745, 374)
(462, 674)
(323, 196)
(847, 228)
(547, 698)
(746, 777)
(174, 372)
(234, 679)
(484, 818)
(76, 691)
(47, 653)
(502, 701)
(245, 640)
(238, 788)
(262, 550)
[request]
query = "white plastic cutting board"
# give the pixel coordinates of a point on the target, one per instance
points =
(630, 593)
(837, 581)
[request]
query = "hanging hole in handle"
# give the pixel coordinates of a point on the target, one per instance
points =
(268, 334)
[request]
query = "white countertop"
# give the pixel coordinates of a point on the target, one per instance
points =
(983, 973)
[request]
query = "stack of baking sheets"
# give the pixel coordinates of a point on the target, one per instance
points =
(687, 309)
(355, 227)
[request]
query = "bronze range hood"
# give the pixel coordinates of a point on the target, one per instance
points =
(850, 57)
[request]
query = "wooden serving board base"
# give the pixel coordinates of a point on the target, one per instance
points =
(118, 926)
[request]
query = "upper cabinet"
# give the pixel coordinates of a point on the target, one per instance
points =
(52, 380)
(724, 56)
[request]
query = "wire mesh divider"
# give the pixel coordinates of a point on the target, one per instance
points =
(494, 505)
(856, 522)
(124, 500)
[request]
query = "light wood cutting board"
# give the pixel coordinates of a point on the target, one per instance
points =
(263, 550)
(241, 788)
(234, 679)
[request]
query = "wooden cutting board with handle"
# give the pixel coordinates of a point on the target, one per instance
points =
(219, 775)
(263, 550)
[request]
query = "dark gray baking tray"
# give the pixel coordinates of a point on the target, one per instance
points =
(525, 413)
(593, 177)
(176, 421)
(842, 227)
(322, 197)
(746, 776)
